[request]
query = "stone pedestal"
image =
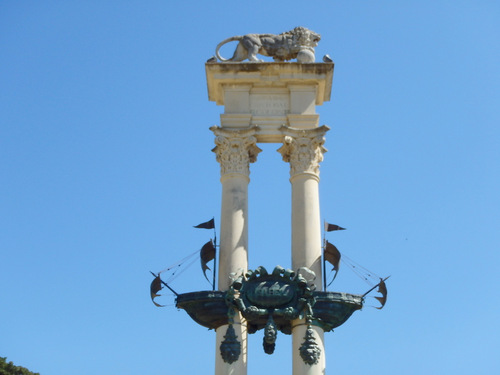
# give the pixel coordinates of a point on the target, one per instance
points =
(269, 95)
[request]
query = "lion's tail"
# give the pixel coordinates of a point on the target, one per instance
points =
(232, 39)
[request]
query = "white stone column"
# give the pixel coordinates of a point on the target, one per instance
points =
(235, 150)
(304, 150)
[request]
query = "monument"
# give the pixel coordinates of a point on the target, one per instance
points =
(270, 102)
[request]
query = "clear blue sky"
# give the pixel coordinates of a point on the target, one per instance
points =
(105, 166)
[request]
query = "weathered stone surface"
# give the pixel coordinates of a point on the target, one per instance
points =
(269, 95)
(297, 43)
(235, 149)
(303, 149)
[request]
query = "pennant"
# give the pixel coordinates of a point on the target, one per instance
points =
(207, 253)
(332, 227)
(332, 255)
(155, 288)
(210, 224)
(382, 289)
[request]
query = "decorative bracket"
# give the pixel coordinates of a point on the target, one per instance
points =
(272, 300)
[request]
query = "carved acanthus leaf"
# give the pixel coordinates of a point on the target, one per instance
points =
(303, 149)
(235, 149)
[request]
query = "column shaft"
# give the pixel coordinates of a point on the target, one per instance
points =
(234, 150)
(233, 228)
(303, 149)
(306, 226)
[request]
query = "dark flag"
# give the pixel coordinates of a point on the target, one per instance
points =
(332, 255)
(332, 227)
(382, 289)
(207, 253)
(210, 224)
(155, 288)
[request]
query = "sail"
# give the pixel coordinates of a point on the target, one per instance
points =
(382, 289)
(332, 255)
(155, 288)
(207, 253)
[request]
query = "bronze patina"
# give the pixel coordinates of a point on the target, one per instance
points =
(271, 301)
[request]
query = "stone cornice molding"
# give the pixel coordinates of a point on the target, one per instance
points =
(235, 149)
(303, 149)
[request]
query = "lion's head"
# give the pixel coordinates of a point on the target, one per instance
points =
(303, 38)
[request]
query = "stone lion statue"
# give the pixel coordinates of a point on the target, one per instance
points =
(297, 43)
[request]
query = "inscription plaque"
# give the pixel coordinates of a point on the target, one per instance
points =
(269, 105)
(270, 293)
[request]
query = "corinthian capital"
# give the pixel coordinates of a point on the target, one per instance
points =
(235, 149)
(303, 149)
